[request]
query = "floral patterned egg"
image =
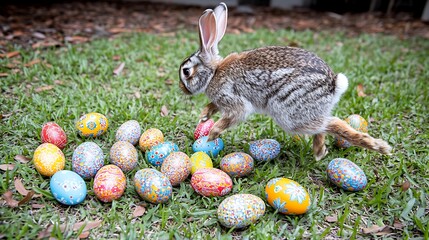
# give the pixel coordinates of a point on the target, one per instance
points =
(152, 185)
(68, 187)
(92, 125)
(203, 129)
(109, 183)
(357, 122)
(87, 159)
(200, 160)
(48, 159)
(212, 148)
(124, 155)
(264, 149)
(129, 131)
(346, 175)
(211, 182)
(53, 133)
(176, 167)
(237, 164)
(287, 196)
(240, 210)
(158, 153)
(150, 138)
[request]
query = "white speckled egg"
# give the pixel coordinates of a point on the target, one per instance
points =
(124, 155)
(152, 185)
(346, 175)
(240, 210)
(129, 131)
(87, 159)
(264, 149)
(176, 167)
(92, 125)
(68, 187)
(237, 164)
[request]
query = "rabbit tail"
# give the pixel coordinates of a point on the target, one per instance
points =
(341, 84)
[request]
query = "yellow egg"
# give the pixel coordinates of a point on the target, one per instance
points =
(92, 125)
(200, 160)
(150, 138)
(287, 196)
(48, 159)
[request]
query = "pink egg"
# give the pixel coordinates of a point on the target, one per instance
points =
(211, 182)
(203, 129)
(53, 133)
(109, 183)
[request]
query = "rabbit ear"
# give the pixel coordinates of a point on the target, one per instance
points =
(207, 25)
(221, 13)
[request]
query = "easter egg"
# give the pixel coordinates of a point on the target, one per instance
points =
(203, 129)
(158, 153)
(358, 123)
(200, 160)
(152, 185)
(287, 196)
(211, 182)
(124, 155)
(176, 167)
(150, 138)
(212, 148)
(129, 131)
(92, 125)
(48, 159)
(240, 210)
(109, 183)
(87, 159)
(237, 164)
(53, 133)
(68, 187)
(346, 175)
(264, 149)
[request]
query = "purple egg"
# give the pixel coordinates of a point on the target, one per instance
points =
(87, 159)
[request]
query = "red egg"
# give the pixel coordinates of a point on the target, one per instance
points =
(53, 133)
(203, 129)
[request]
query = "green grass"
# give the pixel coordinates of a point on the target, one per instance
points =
(393, 71)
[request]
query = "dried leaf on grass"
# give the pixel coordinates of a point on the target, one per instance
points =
(10, 54)
(398, 224)
(27, 198)
(164, 111)
(76, 39)
(4, 74)
(32, 62)
(44, 88)
(38, 35)
(7, 196)
(58, 82)
(377, 230)
(88, 226)
(6, 167)
(361, 90)
(46, 43)
(20, 187)
(84, 235)
(331, 219)
(22, 159)
(37, 206)
(119, 69)
(139, 211)
(406, 185)
(137, 95)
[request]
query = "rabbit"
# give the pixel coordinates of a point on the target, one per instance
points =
(293, 86)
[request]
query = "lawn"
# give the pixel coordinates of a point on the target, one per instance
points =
(77, 79)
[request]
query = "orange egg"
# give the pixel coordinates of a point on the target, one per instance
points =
(150, 138)
(48, 159)
(287, 196)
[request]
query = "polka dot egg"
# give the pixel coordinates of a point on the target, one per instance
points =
(152, 185)
(212, 148)
(346, 175)
(129, 131)
(124, 155)
(287, 196)
(158, 153)
(87, 159)
(92, 125)
(48, 159)
(237, 164)
(264, 149)
(68, 187)
(240, 210)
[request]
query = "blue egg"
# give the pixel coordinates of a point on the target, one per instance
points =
(346, 175)
(68, 187)
(158, 153)
(264, 149)
(212, 148)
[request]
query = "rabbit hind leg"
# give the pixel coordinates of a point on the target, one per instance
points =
(319, 147)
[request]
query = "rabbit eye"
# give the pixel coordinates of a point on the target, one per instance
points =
(187, 72)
